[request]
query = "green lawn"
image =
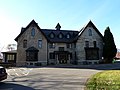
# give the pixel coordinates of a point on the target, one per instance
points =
(106, 80)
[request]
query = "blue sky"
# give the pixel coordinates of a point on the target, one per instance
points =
(71, 14)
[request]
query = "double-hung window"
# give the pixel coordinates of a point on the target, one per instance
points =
(40, 43)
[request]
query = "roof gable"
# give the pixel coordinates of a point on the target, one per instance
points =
(32, 23)
(90, 24)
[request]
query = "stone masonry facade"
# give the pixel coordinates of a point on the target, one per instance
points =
(36, 46)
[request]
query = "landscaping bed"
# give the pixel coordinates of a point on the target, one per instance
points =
(106, 80)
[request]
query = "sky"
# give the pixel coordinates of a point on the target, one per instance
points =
(71, 14)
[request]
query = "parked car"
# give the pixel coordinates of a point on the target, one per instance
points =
(3, 73)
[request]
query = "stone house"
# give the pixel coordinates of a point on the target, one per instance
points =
(36, 46)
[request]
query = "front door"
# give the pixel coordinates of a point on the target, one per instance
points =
(62, 58)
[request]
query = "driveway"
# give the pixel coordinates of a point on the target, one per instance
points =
(50, 78)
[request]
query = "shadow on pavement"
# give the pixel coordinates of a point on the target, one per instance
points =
(115, 66)
(12, 86)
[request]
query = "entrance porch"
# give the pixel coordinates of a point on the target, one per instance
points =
(62, 57)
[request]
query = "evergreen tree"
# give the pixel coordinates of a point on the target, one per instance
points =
(109, 48)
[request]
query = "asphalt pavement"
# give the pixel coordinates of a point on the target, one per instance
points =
(62, 77)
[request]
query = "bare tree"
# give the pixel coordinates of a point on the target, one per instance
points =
(11, 47)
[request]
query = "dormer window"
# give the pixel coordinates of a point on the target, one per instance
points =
(90, 32)
(33, 32)
(68, 35)
(60, 35)
(52, 35)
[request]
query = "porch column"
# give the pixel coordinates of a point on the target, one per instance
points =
(57, 59)
(69, 59)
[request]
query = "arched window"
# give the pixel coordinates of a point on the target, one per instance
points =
(60, 35)
(68, 35)
(33, 32)
(90, 32)
(52, 35)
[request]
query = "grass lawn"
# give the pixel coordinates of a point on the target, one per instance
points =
(106, 80)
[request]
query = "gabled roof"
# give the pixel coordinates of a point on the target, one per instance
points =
(47, 32)
(94, 27)
(73, 35)
(24, 29)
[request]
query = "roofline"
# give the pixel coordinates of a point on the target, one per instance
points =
(90, 22)
(33, 21)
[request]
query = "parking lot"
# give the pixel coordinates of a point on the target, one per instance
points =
(51, 78)
(46, 79)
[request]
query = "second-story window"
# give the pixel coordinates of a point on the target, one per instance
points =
(61, 48)
(69, 45)
(25, 43)
(52, 45)
(86, 43)
(94, 43)
(40, 43)
(33, 32)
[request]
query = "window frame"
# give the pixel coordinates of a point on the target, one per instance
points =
(90, 32)
(95, 44)
(86, 43)
(61, 48)
(24, 43)
(40, 43)
(31, 56)
(33, 32)
(68, 36)
(52, 35)
(10, 57)
(69, 45)
(51, 55)
(60, 35)
(52, 45)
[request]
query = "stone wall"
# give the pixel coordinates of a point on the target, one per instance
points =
(81, 44)
(57, 45)
(31, 41)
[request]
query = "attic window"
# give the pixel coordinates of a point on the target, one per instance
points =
(52, 35)
(60, 35)
(33, 32)
(68, 35)
(90, 32)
